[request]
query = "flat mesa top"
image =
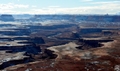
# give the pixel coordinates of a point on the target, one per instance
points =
(13, 43)
(4, 57)
(95, 38)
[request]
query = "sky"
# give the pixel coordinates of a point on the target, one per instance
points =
(59, 6)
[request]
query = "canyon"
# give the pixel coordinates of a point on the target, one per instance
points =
(59, 42)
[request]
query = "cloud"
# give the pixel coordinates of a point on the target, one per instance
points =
(100, 8)
(12, 6)
(109, 2)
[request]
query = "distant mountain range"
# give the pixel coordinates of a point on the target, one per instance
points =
(22, 16)
(73, 18)
(118, 13)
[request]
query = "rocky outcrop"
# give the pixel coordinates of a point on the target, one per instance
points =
(62, 50)
(22, 44)
(6, 17)
(38, 40)
(75, 35)
(94, 42)
(90, 30)
(50, 54)
(8, 59)
(14, 49)
(14, 62)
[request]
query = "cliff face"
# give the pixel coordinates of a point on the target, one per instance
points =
(18, 44)
(38, 40)
(6, 17)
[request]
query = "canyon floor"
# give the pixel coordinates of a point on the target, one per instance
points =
(65, 51)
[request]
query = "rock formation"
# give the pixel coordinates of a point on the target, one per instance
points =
(6, 18)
